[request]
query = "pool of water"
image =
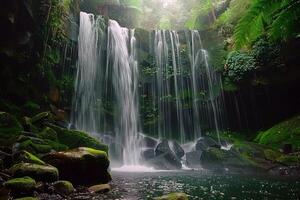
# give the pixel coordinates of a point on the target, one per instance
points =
(202, 185)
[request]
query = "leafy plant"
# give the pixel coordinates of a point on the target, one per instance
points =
(239, 65)
(279, 19)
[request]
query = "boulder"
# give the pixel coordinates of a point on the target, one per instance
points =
(75, 139)
(26, 157)
(148, 154)
(63, 187)
(193, 159)
(23, 185)
(27, 198)
(81, 165)
(173, 196)
(205, 142)
(176, 148)
(103, 188)
(44, 173)
(213, 158)
(165, 158)
(48, 133)
(148, 142)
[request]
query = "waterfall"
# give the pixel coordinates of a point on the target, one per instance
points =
(87, 90)
(122, 58)
(184, 89)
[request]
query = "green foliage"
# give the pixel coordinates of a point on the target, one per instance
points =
(239, 65)
(232, 15)
(279, 19)
(267, 54)
(287, 132)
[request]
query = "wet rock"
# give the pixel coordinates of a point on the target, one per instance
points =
(148, 154)
(176, 148)
(193, 159)
(213, 158)
(45, 173)
(48, 133)
(103, 188)
(81, 166)
(63, 187)
(205, 142)
(26, 157)
(24, 185)
(148, 142)
(173, 196)
(165, 158)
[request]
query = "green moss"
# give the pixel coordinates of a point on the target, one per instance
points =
(42, 116)
(173, 196)
(25, 156)
(48, 133)
(27, 198)
(63, 187)
(38, 172)
(287, 132)
(74, 139)
(25, 183)
(9, 125)
(45, 147)
(289, 160)
(271, 154)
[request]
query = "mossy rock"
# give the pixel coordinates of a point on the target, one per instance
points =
(27, 198)
(44, 116)
(173, 196)
(28, 126)
(43, 147)
(289, 160)
(287, 132)
(25, 156)
(48, 133)
(75, 139)
(81, 165)
(63, 187)
(272, 154)
(45, 173)
(10, 129)
(23, 184)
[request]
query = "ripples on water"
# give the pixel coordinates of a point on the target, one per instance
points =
(204, 185)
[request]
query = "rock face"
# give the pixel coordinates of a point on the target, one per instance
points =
(81, 166)
(173, 196)
(44, 173)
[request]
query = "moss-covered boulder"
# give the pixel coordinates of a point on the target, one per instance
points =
(21, 185)
(40, 146)
(44, 173)
(173, 196)
(287, 132)
(26, 157)
(27, 198)
(63, 187)
(10, 128)
(48, 133)
(81, 166)
(75, 139)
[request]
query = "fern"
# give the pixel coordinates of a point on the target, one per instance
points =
(278, 19)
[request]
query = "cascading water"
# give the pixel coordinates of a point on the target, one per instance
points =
(87, 90)
(185, 91)
(124, 77)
